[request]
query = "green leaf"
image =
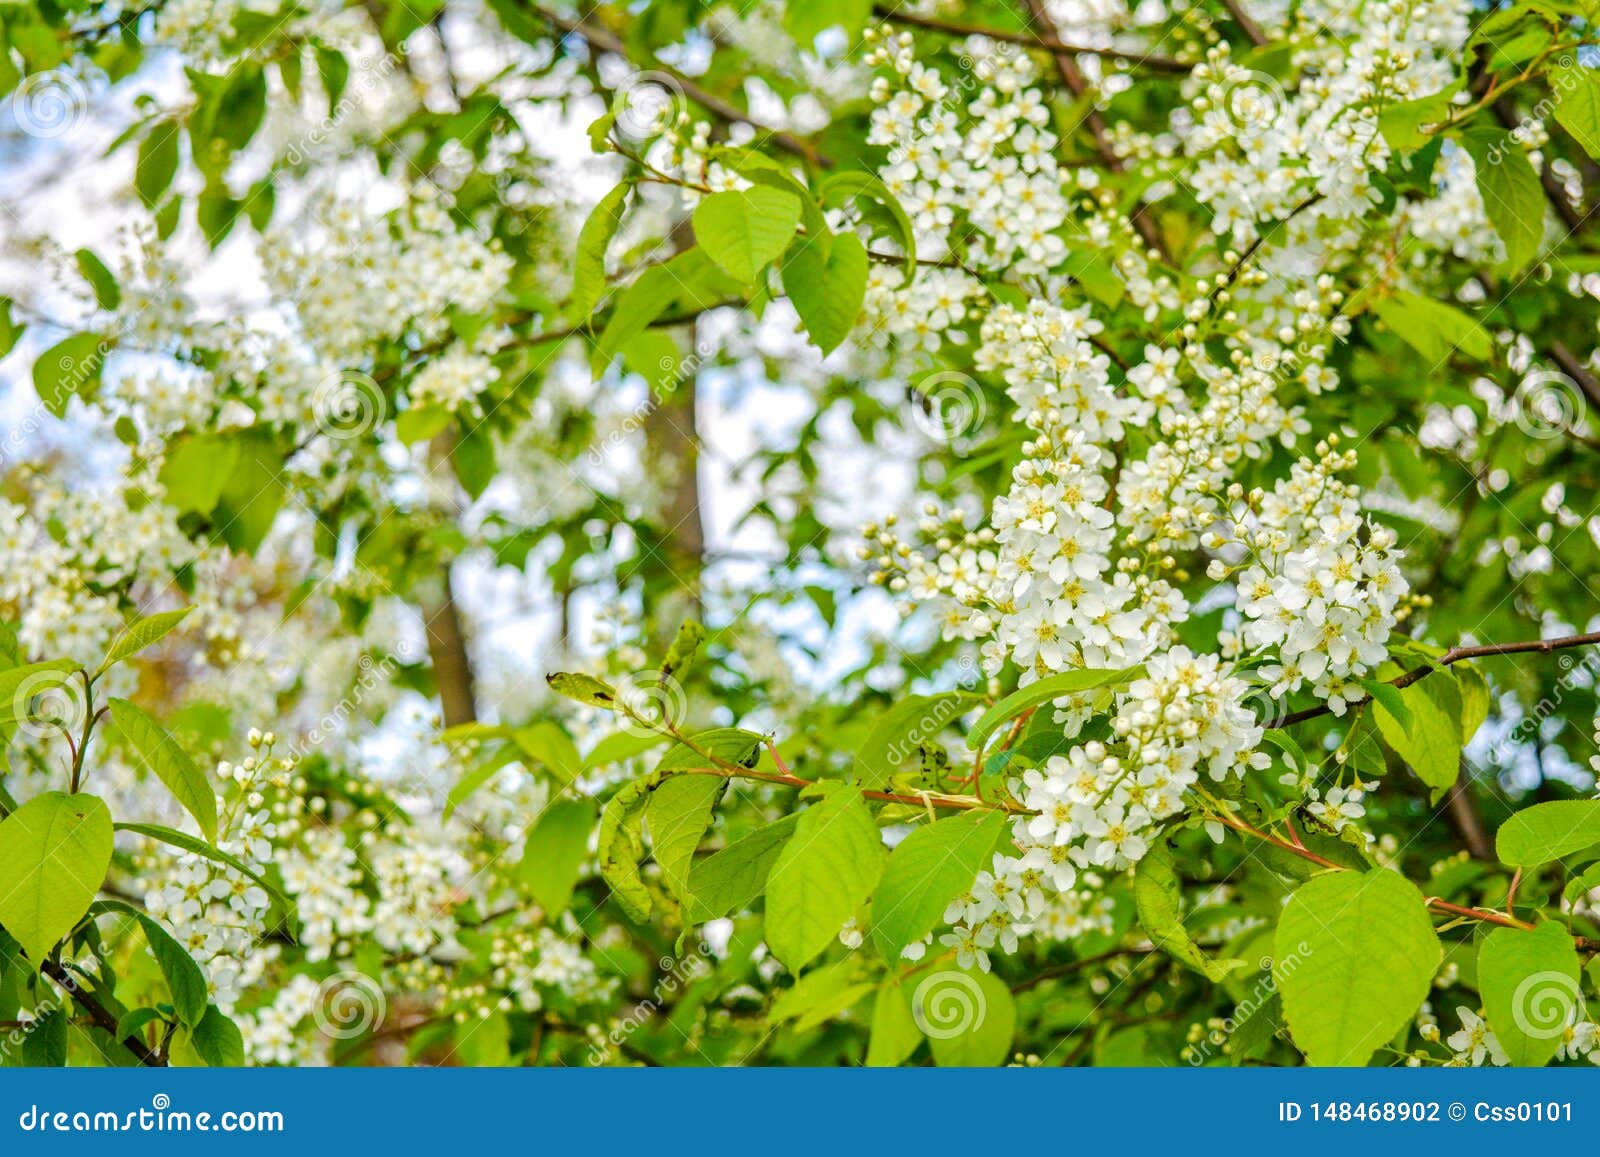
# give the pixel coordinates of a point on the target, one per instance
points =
(1426, 732)
(1433, 328)
(621, 846)
(583, 689)
(1529, 985)
(1577, 93)
(420, 423)
(895, 1035)
(820, 995)
(1512, 196)
(170, 763)
(743, 230)
(1354, 958)
(729, 880)
(54, 852)
(218, 1040)
(183, 976)
(100, 279)
(805, 21)
(856, 183)
(196, 468)
(69, 369)
(892, 744)
(968, 1017)
(589, 261)
(157, 163)
(929, 868)
(1043, 691)
(1548, 831)
(142, 633)
(188, 843)
(619, 746)
(554, 853)
(252, 496)
(20, 685)
(684, 645)
(822, 877)
(827, 286)
(548, 746)
(44, 1045)
(678, 815)
(1159, 900)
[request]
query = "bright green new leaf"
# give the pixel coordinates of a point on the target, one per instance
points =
(69, 369)
(1577, 93)
(1433, 328)
(929, 868)
(729, 880)
(1159, 900)
(1529, 985)
(678, 815)
(583, 689)
(550, 747)
(827, 288)
(1354, 957)
(1428, 738)
(1042, 691)
(170, 763)
(143, 633)
(553, 854)
(196, 468)
(157, 163)
(1548, 831)
(589, 259)
(895, 1035)
(54, 852)
(892, 744)
(743, 230)
(104, 283)
(822, 877)
(621, 846)
(968, 1016)
(1512, 196)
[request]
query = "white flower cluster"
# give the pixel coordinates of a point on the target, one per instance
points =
(215, 911)
(1323, 584)
(325, 881)
(527, 962)
(359, 277)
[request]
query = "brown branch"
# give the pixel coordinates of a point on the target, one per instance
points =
(1031, 40)
(1574, 368)
(100, 1014)
(1246, 22)
(452, 663)
(604, 41)
(1454, 655)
